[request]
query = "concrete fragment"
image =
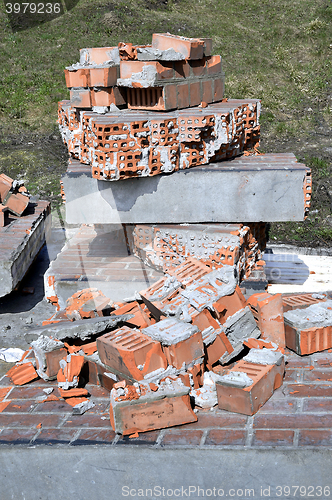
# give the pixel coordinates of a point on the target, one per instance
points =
(143, 408)
(237, 329)
(81, 408)
(48, 352)
(151, 54)
(21, 241)
(206, 396)
(82, 329)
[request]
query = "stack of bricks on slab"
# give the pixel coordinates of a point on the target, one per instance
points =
(142, 111)
(114, 122)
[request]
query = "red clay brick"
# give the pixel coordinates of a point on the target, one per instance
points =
(29, 420)
(54, 436)
(185, 437)
(279, 406)
(191, 48)
(87, 420)
(90, 436)
(292, 375)
(318, 375)
(213, 65)
(268, 313)
(317, 405)
(224, 419)
(218, 89)
(273, 438)
(207, 91)
(14, 436)
(195, 94)
(225, 437)
(308, 390)
(183, 95)
(294, 361)
(295, 421)
(325, 361)
(19, 407)
(315, 438)
(53, 406)
(147, 438)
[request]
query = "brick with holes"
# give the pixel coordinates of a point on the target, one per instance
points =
(145, 407)
(309, 329)
(301, 300)
(182, 343)
(247, 386)
(268, 313)
(130, 353)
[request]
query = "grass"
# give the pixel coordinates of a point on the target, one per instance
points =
(277, 51)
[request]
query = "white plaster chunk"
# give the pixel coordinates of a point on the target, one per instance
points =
(317, 315)
(264, 357)
(151, 54)
(236, 379)
(170, 331)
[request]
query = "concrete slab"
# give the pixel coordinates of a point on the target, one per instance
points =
(271, 187)
(110, 473)
(20, 242)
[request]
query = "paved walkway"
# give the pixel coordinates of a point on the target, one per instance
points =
(298, 415)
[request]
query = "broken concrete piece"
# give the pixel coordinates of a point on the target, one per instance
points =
(237, 329)
(21, 241)
(309, 329)
(206, 396)
(142, 408)
(170, 331)
(81, 408)
(82, 329)
(264, 357)
(268, 313)
(152, 54)
(48, 352)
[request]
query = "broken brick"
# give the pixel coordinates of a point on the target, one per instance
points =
(130, 352)
(140, 409)
(22, 374)
(251, 382)
(268, 313)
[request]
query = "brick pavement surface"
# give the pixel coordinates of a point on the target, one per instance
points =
(298, 415)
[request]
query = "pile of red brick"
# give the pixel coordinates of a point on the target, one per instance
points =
(113, 120)
(192, 338)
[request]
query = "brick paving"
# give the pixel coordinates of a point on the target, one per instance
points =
(299, 415)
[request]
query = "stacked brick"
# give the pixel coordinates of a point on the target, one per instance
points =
(138, 111)
(164, 247)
